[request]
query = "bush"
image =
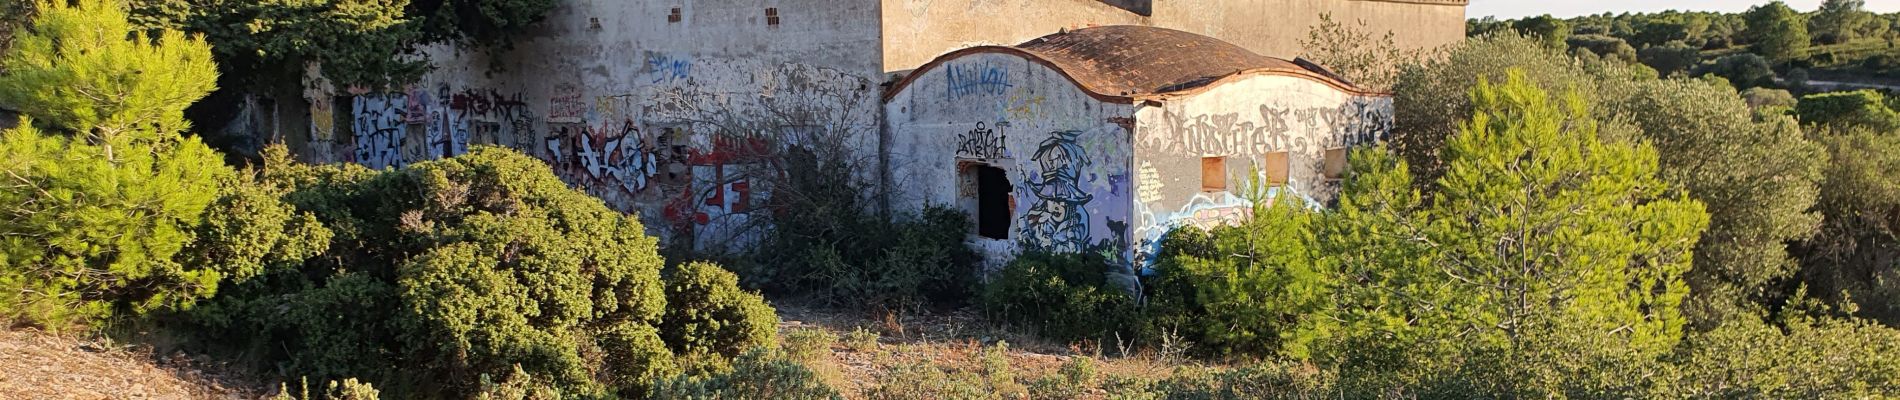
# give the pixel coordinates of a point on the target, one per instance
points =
(828, 244)
(924, 380)
(450, 270)
(518, 385)
(709, 314)
(1608, 47)
(1266, 380)
(1432, 99)
(1845, 110)
(1062, 296)
(634, 357)
(347, 389)
(105, 197)
(1671, 58)
(861, 340)
(1076, 378)
(757, 374)
(1769, 99)
(1745, 70)
(808, 344)
(1253, 289)
(1812, 358)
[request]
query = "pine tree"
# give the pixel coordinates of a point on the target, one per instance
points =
(1544, 242)
(101, 193)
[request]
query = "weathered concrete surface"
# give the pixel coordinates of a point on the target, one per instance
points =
(673, 120)
(675, 110)
(1066, 152)
(1243, 121)
(1111, 174)
(915, 31)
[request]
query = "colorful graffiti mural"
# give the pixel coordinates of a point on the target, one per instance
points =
(1058, 222)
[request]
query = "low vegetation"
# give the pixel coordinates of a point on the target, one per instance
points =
(1550, 224)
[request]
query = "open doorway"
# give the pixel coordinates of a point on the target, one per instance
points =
(993, 194)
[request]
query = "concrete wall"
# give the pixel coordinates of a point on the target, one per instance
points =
(673, 120)
(1067, 154)
(1242, 121)
(915, 31)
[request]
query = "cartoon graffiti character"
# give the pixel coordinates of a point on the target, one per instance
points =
(1058, 222)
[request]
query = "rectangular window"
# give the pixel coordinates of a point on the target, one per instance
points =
(1277, 167)
(1214, 174)
(674, 16)
(771, 16)
(1335, 164)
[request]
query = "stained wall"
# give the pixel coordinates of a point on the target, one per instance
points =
(1242, 122)
(671, 110)
(1067, 154)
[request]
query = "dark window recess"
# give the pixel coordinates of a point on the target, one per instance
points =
(674, 16)
(771, 16)
(992, 202)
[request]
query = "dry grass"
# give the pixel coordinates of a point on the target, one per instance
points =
(954, 342)
(38, 365)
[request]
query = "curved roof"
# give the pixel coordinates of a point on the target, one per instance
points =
(1122, 62)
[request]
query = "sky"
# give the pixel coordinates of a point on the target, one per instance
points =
(1507, 9)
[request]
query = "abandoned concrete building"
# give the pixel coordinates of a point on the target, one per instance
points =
(1057, 124)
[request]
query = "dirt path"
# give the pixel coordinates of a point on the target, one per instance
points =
(36, 365)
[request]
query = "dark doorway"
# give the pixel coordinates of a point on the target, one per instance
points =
(992, 202)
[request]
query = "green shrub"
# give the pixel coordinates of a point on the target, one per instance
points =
(709, 314)
(924, 380)
(1250, 289)
(1603, 46)
(832, 246)
(1808, 358)
(518, 385)
(861, 340)
(347, 389)
(105, 198)
(1062, 296)
(808, 344)
(1076, 379)
(1842, 110)
(449, 270)
(757, 374)
(635, 357)
(1266, 380)
(1671, 58)
(1746, 70)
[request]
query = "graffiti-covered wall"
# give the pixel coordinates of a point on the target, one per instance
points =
(1062, 154)
(670, 110)
(1255, 127)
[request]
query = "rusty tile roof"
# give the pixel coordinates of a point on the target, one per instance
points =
(1122, 62)
(1127, 60)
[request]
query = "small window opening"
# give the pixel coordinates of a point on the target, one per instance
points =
(1335, 164)
(1277, 166)
(1214, 174)
(993, 196)
(674, 16)
(771, 16)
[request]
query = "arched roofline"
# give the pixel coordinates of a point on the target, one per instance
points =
(1119, 98)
